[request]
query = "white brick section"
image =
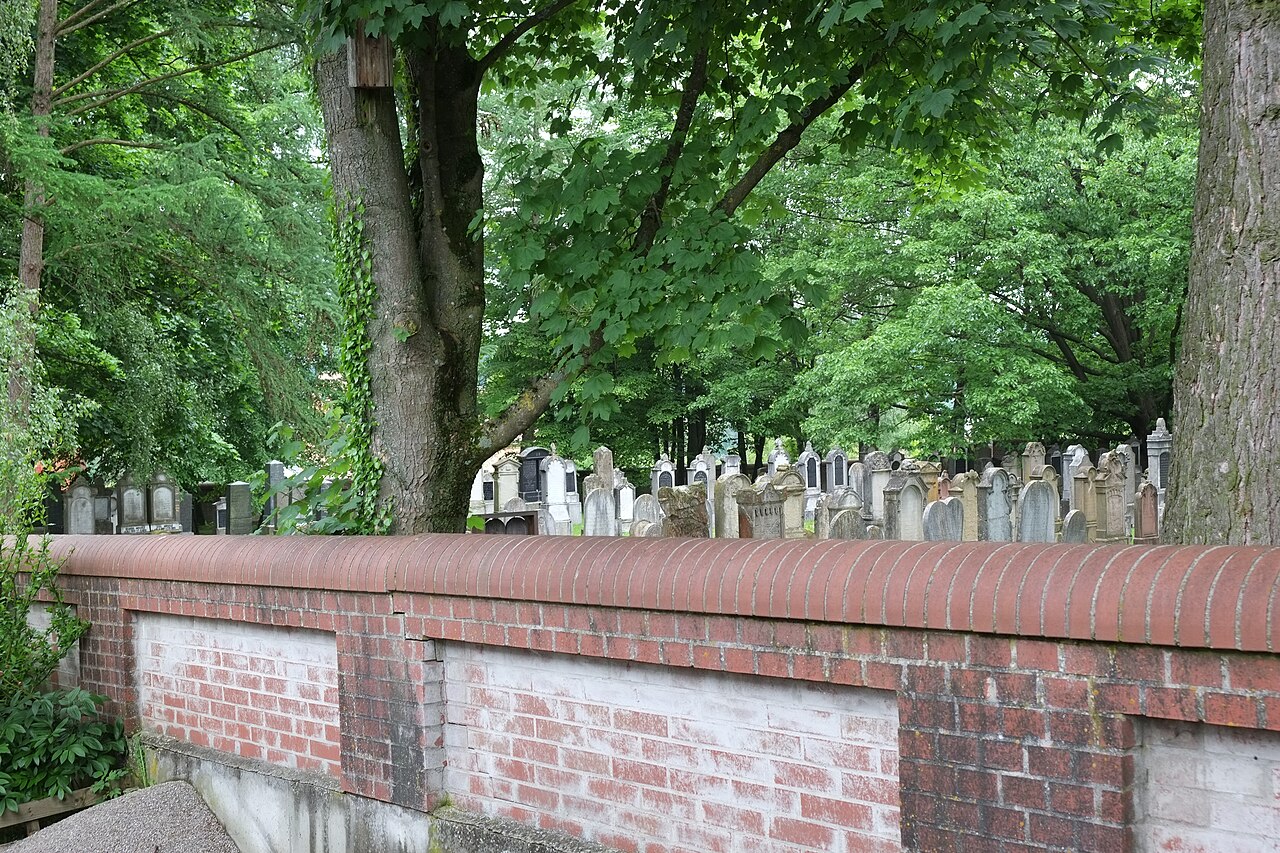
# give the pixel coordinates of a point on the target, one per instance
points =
(1207, 789)
(662, 759)
(258, 691)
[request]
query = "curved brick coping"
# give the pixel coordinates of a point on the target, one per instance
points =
(1221, 598)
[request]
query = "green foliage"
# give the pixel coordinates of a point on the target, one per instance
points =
(325, 477)
(351, 448)
(188, 294)
(55, 743)
(29, 655)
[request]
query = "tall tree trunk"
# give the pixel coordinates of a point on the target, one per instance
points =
(1226, 422)
(428, 273)
(31, 250)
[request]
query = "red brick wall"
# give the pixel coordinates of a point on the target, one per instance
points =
(259, 692)
(1021, 673)
(644, 757)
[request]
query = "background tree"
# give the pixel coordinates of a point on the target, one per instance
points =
(184, 281)
(1226, 429)
(624, 236)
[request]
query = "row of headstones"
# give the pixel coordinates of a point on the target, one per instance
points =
(909, 500)
(155, 505)
(538, 479)
(916, 502)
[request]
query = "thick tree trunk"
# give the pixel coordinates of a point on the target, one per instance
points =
(426, 268)
(1226, 417)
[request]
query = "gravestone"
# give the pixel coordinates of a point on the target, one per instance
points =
(685, 511)
(1054, 459)
(877, 471)
(646, 529)
(929, 473)
(791, 487)
(488, 490)
(995, 506)
(702, 469)
(131, 503)
(239, 509)
(220, 516)
(904, 500)
(506, 480)
(476, 505)
(732, 464)
(1086, 498)
(530, 487)
(944, 520)
(1038, 512)
(778, 458)
(1076, 459)
(163, 494)
(602, 467)
(599, 517)
(858, 483)
(1109, 487)
(809, 467)
(847, 524)
(279, 497)
(516, 505)
(1033, 456)
(662, 475)
(829, 505)
(1146, 515)
(1075, 528)
(965, 487)
(728, 488)
(625, 499)
(1130, 460)
(944, 485)
(186, 512)
(80, 507)
(647, 509)
(1159, 456)
(760, 513)
(822, 518)
(835, 470)
(556, 518)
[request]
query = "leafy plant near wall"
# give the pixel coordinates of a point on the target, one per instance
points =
(50, 743)
(340, 477)
(56, 742)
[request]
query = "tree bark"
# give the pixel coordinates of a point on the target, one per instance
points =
(425, 333)
(1226, 420)
(31, 249)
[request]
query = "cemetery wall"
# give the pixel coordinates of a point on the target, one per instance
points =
(1021, 694)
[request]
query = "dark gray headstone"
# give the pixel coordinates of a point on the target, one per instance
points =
(186, 513)
(239, 509)
(944, 520)
(1075, 527)
(847, 524)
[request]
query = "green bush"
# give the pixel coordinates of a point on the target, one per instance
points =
(29, 655)
(54, 743)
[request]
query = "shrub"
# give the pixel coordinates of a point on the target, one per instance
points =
(54, 743)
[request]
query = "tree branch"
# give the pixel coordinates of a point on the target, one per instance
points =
(71, 24)
(110, 59)
(651, 219)
(787, 139)
(106, 96)
(123, 143)
(497, 433)
(504, 45)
